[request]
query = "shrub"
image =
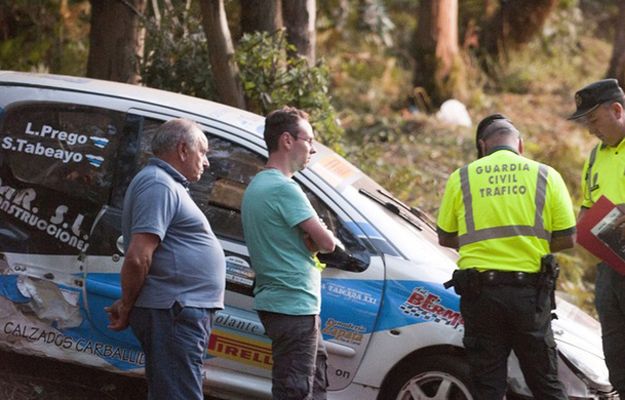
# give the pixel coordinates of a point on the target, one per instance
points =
(176, 57)
(274, 76)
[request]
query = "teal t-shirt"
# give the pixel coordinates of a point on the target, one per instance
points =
(287, 281)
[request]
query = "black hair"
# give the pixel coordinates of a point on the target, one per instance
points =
(481, 127)
(285, 119)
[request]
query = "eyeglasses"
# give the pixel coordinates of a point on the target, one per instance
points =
(297, 137)
(309, 140)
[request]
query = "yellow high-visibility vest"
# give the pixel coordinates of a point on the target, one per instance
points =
(504, 209)
(604, 174)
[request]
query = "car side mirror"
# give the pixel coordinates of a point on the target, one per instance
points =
(344, 260)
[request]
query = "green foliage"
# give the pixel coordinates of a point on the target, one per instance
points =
(176, 55)
(273, 78)
(556, 56)
(361, 20)
(44, 36)
(177, 59)
(374, 18)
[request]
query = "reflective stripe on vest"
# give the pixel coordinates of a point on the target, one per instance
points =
(497, 232)
(589, 177)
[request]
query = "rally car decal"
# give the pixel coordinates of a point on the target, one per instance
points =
(412, 302)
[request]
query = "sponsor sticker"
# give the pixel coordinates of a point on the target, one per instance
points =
(238, 271)
(240, 349)
(95, 161)
(18, 204)
(241, 324)
(426, 305)
(335, 170)
(346, 332)
(99, 142)
(35, 147)
(352, 294)
(24, 146)
(47, 131)
(82, 345)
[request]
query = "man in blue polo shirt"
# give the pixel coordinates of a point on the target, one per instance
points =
(173, 276)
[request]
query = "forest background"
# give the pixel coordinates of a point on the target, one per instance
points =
(373, 73)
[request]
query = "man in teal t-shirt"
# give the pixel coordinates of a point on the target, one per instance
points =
(283, 234)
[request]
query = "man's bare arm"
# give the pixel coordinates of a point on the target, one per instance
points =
(136, 265)
(321, 237)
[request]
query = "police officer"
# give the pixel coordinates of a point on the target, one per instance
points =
(600, 107)
(504, 212)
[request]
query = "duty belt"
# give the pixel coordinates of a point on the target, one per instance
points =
(509, 278)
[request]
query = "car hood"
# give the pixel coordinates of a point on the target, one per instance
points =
(577, 328)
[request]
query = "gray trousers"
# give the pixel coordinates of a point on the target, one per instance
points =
(299, 356)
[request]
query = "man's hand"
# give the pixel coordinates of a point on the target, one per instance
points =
(317, 237)
(118, 315)
(310, 244)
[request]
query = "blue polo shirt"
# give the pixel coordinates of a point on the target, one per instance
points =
(189, 265)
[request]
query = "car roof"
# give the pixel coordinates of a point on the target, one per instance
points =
(175, 101)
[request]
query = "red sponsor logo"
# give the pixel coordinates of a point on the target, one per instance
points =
(240, 349)
(426, 305)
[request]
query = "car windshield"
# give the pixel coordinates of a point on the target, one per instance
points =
(414, 216)
(398, 229)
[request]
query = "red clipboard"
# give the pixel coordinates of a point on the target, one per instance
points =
(596, 219)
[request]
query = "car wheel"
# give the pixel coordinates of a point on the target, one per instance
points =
(432, 377)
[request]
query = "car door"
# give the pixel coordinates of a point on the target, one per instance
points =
(56, 174)
(102, 262)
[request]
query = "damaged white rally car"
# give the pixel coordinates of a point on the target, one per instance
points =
(70, 146)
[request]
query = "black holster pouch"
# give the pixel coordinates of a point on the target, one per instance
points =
(466, 283)
(549, 272)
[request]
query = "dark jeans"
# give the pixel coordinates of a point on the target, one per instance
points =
(174, 342)
(610, 303)
(299, 356)
(504, 318)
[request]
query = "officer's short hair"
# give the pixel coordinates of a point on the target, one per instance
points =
(494, 124)
(285, 119)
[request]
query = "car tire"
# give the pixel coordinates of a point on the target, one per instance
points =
(441, 377)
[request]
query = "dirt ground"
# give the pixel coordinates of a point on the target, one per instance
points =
(30, 378)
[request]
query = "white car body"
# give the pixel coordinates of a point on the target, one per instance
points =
(68, 148)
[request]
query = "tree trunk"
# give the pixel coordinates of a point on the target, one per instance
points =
(617, 62)
(221, 53)
(439, 68)
(299, 19)
(261, 15)
(514, 25)
(116, 40)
